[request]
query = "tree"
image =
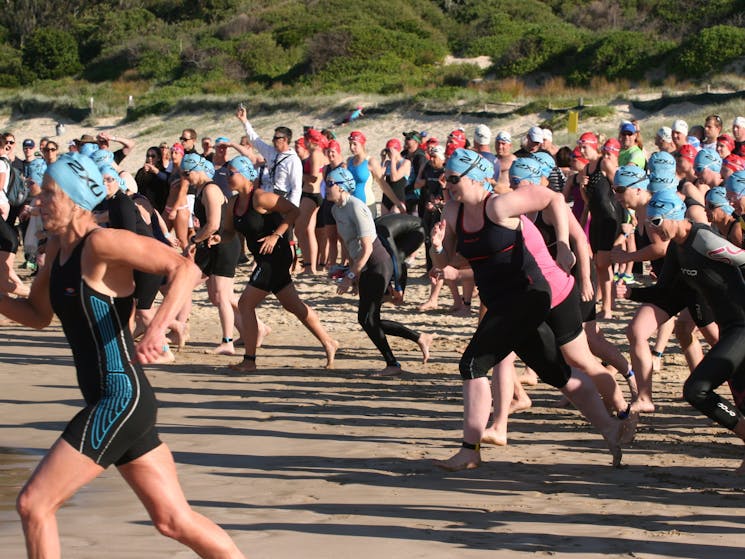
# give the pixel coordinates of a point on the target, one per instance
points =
(51, 54)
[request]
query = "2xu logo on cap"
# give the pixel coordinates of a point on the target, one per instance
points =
(82, 174)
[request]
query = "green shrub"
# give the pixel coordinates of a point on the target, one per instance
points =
(710, 50)
(51, 54)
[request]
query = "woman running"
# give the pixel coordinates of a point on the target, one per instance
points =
(522, 288)
(87, 282)
(370, 269)
(264, 218)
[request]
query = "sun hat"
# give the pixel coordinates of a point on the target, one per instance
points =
(79, 178)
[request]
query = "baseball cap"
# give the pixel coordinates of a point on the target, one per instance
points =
(243, 165)
(627, 128)
(482, 135)
(717, 198)
(504, 137)
(525, 169)
(688, 152)
(79, 178)
(546, 161)
(535, 134)
(665, 134)
(470, 164)
(393, 143)
(588, 138)
(628, 176)
(680, 126)
(342, 178)
(734, 162)
(612, 145)
(357, 136)
(547, 135)
(707, 159)
(29, 143)
(736, 183)
(413, 135)
(666, 204)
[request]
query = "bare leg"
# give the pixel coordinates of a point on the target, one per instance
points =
(663, 336)
(502, 388)
(434, 294)
(605, 283)
(290, 300)
(305, 231)
(57, 478)
(642, 326)
(153, 478)
(476, 404)
(220, 291)
(247, 304)
(520, 399)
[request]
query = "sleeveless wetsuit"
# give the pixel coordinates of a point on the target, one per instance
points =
(220, 259)
(605, 225)
(361, 174)
(398, 187)
(118, 423)
(272, 271)
(519, 283)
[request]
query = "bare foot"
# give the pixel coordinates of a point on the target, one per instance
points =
(523, 403)
(605, 315)
(225, 348)
(245, 366)
(613, 440)
(264, 331)
(492, 435)
(428, 306)
(628, 427)
(464, 459)
(389, 371)
(642, 406)
(179, 335)
(462, 310)
(330, 347)
(528, 377)
(424, 342)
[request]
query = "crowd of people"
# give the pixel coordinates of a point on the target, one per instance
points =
(546, 237)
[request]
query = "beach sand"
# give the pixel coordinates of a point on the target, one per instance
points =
(296, 461)
(299, 461)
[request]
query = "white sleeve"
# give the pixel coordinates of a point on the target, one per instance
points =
(267, 152)
(294, 180)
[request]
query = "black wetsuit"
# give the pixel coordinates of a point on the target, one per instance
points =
(118, 423)
(605, 211)
(401, 235)
(220, 259)
(517, 294)
(711, 265)
(272, 271)
(123, 214)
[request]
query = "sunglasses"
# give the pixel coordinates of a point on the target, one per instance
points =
(277, 138)
(150, 156)
(11, 142)
(183, 139)
(620, 189)
(49, 149)
(455, 179)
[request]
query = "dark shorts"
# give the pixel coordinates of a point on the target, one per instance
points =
(219, 260)
(8, 238)
(565, 319)
(146, 289)
(312, 196)
(272, 274)
(325, 217)
(674, 300)
(604, 230)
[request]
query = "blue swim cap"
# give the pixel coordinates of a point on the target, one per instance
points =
(108, 170)
(666, 204)
(525, 169)
(102, 157)
(79, 178)
(717, 198)
(468, 163)
(735, 183)
(694, 141)
(36, 169)
(661, 163)
(88, 149)
(631, 176)
(221, 140)
(342, 178)
(547, 162)
(243, 165)
(707, 159)
(195, 162)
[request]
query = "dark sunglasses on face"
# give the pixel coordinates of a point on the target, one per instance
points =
(11, 142)
(455, 179)
(276, 138)
(49, 149)
(183, 139)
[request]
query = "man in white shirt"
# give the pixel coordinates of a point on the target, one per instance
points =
(284, 170)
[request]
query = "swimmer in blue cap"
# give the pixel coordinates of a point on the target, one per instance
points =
(87, 281)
